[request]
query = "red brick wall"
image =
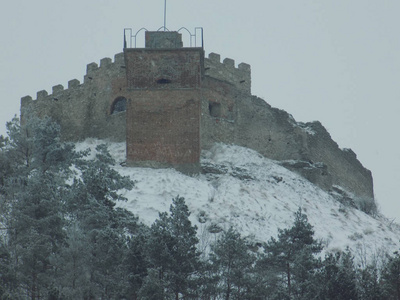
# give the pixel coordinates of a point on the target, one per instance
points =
(181, 67)
(164, 104)
(164, 126)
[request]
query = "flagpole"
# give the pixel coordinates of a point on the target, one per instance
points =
(165, 14)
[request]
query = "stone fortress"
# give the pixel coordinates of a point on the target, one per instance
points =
(168, 102)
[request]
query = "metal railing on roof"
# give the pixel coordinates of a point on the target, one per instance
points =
(193, 39)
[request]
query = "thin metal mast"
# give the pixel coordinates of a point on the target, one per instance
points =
(165, 15)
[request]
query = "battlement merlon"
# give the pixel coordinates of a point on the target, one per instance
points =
(57, 89)
(226, 71)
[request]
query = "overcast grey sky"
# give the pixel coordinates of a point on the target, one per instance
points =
(336, 61)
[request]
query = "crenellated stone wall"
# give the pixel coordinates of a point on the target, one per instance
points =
(240, 77)
(84, 109)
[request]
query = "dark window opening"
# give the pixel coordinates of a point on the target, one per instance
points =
(163, 81)
(119, 105)
(215, 109)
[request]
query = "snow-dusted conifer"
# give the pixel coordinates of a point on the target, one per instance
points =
(234, 266)
(337, 278)
(71, 264)
(91, 204)
(291, 258)
(136, 262)
(8, 280)
(172, 249)
(391, 277)
(369, 285)
(34, 191)
(153, 288)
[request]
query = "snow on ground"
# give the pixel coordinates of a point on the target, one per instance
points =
(253, 194)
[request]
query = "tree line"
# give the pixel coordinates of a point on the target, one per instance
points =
(62, 237)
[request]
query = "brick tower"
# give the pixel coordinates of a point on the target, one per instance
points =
(164, 102)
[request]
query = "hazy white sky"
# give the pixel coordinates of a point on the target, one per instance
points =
(336, 61)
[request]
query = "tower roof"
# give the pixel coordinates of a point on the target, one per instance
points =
(163, 39)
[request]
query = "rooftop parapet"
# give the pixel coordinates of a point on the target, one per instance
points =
(226, 71)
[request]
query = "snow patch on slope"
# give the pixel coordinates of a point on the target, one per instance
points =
(253, 194)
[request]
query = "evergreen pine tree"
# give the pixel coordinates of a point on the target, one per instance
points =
(136, 263)
(72, 264)
(234, 266)
(8, 280)
(369, 284)
(291, 258)
(208, 281)
(184, 252)
(391, 277)
(337, 279)
(33, 191)
(153, 288)
(91, 205)
(63, 239)
(172, 249)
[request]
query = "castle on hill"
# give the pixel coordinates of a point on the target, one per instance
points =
(168, 102)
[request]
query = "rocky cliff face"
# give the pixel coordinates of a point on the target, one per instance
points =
(307, 149)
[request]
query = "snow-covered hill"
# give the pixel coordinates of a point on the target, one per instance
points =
(256, 196)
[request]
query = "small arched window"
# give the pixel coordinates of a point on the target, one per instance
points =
(119, 105)
(163, 81)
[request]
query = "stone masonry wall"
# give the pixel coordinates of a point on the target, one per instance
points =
(84, 109)
(218, 112)
(240, 77)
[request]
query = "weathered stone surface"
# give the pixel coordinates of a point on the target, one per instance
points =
(314, 172)
(249, 121)
(84, 110)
